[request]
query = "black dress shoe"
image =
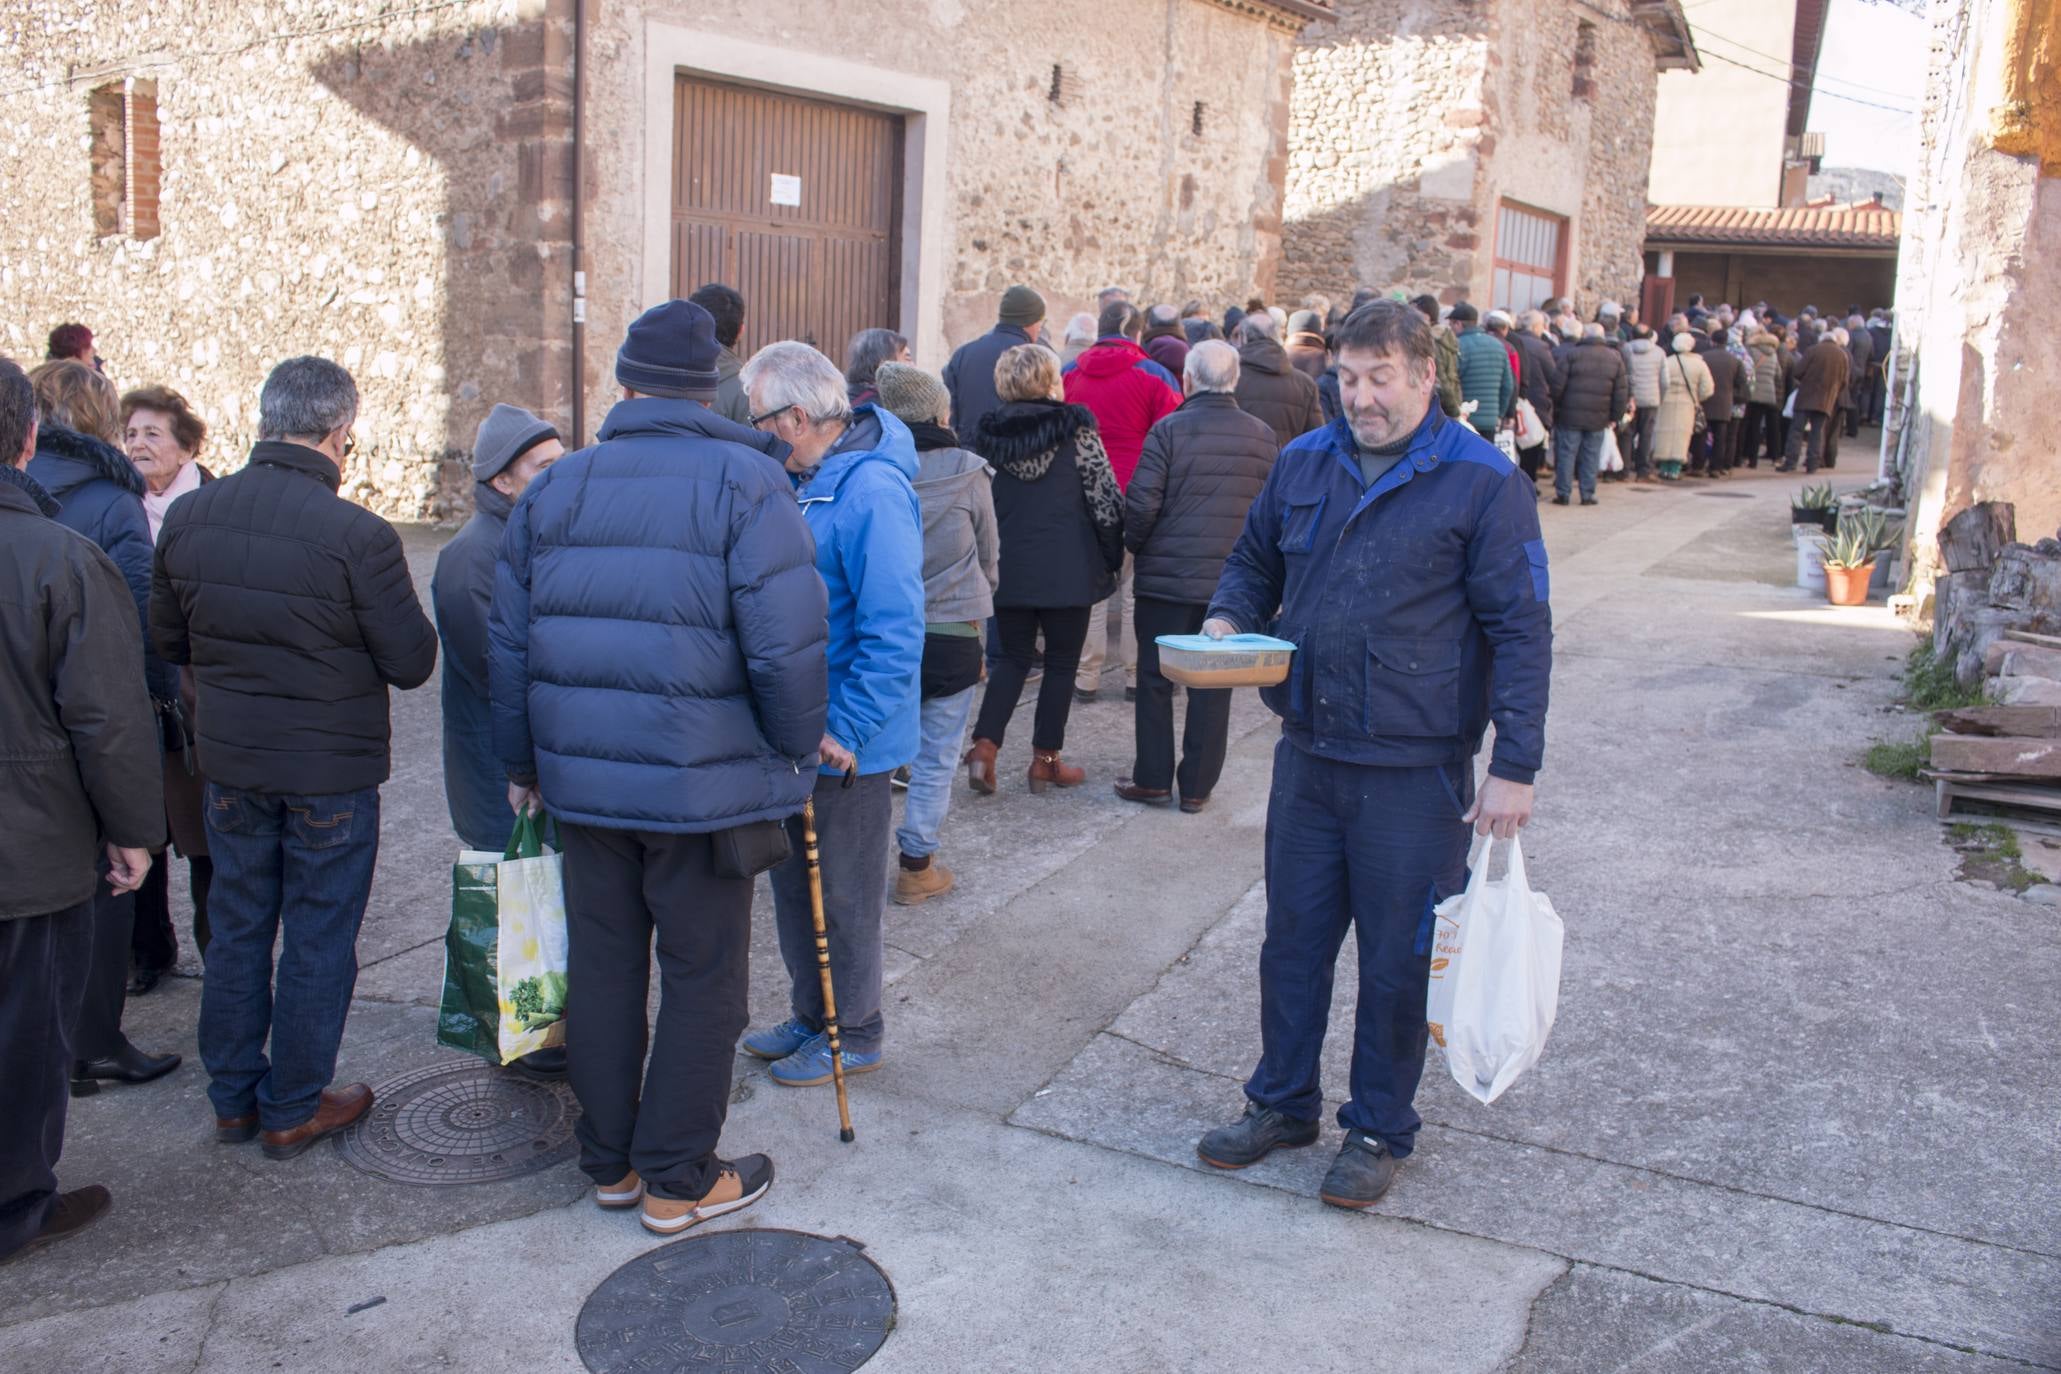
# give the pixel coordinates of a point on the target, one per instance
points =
(142, 980)
(541, 1066)
(126, 1065)
(1150, 796)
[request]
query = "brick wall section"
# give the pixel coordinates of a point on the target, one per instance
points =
(1414, 119)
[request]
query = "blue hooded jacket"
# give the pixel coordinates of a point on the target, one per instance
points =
(868, 525)
(656, 644)
(99, 494)
(1417, 605)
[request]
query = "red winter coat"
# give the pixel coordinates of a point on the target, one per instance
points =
(1128, 393)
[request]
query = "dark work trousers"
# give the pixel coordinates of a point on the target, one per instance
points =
(1832, 432)
(1373, 850)
(1809, 432)
(663, 1120)
(98, 1033)
(1723, 434)
(852, 825)
(155, 943)
(1208, 727)
(1763, 432)
(43, 966)
(1639, 453)
(1066, 631)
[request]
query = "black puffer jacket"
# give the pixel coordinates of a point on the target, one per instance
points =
(1197, 476)
(1270, 388)
(1539, 376)
(296, 611)
(79, 749)
(1057, 506)
(1595, 390)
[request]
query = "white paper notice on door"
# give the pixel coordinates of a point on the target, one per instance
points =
(786, 189)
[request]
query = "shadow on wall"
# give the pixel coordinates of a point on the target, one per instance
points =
(492, 108)
(1393, 238)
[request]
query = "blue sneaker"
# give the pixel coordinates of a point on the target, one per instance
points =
(777, 1042)
(810, 1064)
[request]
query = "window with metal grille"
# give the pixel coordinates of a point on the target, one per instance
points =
(1531, 256)
(123, 149)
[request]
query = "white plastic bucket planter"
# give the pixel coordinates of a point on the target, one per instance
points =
(1810, 559)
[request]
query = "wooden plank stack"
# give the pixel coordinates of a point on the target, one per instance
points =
(2000, 762)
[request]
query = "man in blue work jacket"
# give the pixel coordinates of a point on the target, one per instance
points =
(1400, 552)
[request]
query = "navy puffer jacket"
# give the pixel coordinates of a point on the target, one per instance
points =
(657, 641)
(99, 494)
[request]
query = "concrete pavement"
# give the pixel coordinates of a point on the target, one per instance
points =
(1797, 1112)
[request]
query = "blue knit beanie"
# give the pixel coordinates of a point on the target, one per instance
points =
(670, 351)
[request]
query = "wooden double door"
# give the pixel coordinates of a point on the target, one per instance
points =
(795, 202)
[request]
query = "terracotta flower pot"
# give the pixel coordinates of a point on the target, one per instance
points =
(1848, 586)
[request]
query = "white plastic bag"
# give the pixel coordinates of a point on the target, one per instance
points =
(1531, 432)
(1495, 977)
(1506, 443)
(1612, 458)
(1789, 407)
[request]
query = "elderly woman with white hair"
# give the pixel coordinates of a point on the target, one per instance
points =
(1685, 384)
(1197, 476)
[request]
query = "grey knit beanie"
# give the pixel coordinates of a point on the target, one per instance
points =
(505, 435)
(911, 395)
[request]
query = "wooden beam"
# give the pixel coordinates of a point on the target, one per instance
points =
(2011, 756)
(2039, 722)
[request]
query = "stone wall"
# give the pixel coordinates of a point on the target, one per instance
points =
(391, 189)
(1979, 282)
(369, 188)
(1414, 119)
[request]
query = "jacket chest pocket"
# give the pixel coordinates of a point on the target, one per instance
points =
(1412, 688)
(1299, 521)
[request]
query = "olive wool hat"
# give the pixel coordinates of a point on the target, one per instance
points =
(911, 395)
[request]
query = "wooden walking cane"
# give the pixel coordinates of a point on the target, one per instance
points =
(815, 864)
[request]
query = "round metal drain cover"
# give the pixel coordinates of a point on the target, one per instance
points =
(739, 1302)
(463, 1122)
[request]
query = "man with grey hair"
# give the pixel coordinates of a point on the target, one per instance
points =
(1270, 386)
(296, 610)
(1197, 475)
(1165, 342)
(852, 469)
(1110, 295)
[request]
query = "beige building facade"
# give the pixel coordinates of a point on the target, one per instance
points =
(1491, 150)
(1971, 414)
(212, 187)
(1720, 134)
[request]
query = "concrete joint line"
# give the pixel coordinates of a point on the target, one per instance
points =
(207, 1328)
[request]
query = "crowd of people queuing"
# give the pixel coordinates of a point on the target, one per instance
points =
(772, 579)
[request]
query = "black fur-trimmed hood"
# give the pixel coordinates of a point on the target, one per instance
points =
(1021, 431)
(81, 458)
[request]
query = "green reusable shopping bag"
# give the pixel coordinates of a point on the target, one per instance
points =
(504, 953)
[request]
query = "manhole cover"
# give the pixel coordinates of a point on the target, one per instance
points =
(739, 1302)
(462, 1123)
(1729, 495)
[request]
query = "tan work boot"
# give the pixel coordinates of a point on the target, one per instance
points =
(917, 885)
(1047, 771)
(980, 766)
(738, 1185)
(628, 1192)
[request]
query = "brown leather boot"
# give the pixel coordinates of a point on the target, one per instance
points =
(339, 1108)
(980, 766)
(1047, 771)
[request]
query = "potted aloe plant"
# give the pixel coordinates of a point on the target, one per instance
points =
(1850, 553)
(1815, 506)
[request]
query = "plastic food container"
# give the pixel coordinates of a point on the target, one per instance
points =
(1233, 661)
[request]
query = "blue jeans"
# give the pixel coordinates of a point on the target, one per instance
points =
(1374, 849)
(304, 863)
(1572, 447)
(930, 773)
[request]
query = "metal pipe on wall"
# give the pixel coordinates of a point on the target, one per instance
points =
(579, 263)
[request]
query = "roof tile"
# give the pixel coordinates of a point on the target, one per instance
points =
(1862, 225)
